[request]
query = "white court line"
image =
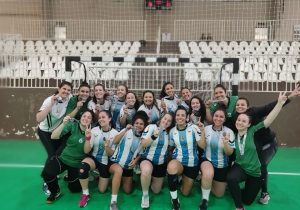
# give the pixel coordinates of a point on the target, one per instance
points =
(12, 165)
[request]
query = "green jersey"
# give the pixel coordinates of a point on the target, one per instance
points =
(230, 109)
(246, 154)
(73, 104)
(73, 153)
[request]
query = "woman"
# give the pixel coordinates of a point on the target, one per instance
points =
(247, 166)
(149, 105)
(71, 156)
(125, 157)
(197, 110)
(117, 102)
(49, 117)
(220, 95)
(265, 138)
(79, 104)
(100, 100)
(217, 141)
(155, 141)
(99, 140)
(186, 95)
(169, 100)
(129, 109)
(185, 137)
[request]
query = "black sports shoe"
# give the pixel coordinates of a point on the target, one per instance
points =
(175, 204)
(52, 197)
(203, 205)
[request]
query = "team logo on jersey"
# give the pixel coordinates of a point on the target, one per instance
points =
(181, 138)
(80, 140)
(228, 114)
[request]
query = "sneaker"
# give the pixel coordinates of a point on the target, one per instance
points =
(45, 189)
(203, 205)
(240, 209)
(145, 202)
(84, 200)
(114, 206)
(264, 198)
(52, 197)
(175, 204)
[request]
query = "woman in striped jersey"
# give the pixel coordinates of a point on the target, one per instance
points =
(185, 138)
(126, 156)
(155, 141)
(99, 140)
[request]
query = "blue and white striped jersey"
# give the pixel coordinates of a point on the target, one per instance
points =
(115, 109)
(126, 150)
(214, 149)
(185, 142)
(172, 104)
(97, 142)
(153, 113)
(157, 150)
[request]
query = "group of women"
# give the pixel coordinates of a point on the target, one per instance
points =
(224, 141)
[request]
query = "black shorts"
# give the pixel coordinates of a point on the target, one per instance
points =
(191, 172)
(220, 174)
(158, 170)
(102, 168)
(126, 172)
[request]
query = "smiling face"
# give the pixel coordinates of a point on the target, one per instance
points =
(104, 120)
(241, 106)
(121, 91)
(139, 125)
(84, 93)
(64, 91)
(186, 94)
(219, 94)
(195, 104)
(166, 121)
(130, 99)
(219, 118)
(148, 99)
(169, 90)
(86, 119)
(242, 122)
(180, 117)
(99, 92)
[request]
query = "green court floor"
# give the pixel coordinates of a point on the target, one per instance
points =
(21, 163)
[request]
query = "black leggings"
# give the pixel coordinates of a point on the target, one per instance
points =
(53, 167)
(51, 145)
(252, 186)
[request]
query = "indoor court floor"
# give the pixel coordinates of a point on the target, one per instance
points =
(21, 163)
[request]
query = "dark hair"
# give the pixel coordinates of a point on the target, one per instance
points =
(181, 108)
(154, 99)
(137, 103)
(222, 109)
(245, 99)
(124, 85)
(92, 113)
(183, 88)
(84, 84)
(247, 113)
(63, 83)
(220, 86)
(201, 112)
(108, 113)
(141, 115)
(163, 93)
(105, 93)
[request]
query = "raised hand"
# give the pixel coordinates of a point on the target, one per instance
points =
(295, 92)
(66, 119)
(128, 126)
(88, 131)
(282, 98)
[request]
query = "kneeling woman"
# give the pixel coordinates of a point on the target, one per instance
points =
(247, 166)
(155, 141)
(217, 141)
(185, 138)
(126, 156)
(100, 139)
(71, 156)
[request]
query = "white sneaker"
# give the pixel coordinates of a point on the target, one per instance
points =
(145, 202)
(264, 198)
(113, 206)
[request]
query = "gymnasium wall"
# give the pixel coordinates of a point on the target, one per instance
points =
(19, 106)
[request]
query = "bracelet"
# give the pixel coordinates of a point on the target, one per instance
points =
(153, 137)
(88, 138)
